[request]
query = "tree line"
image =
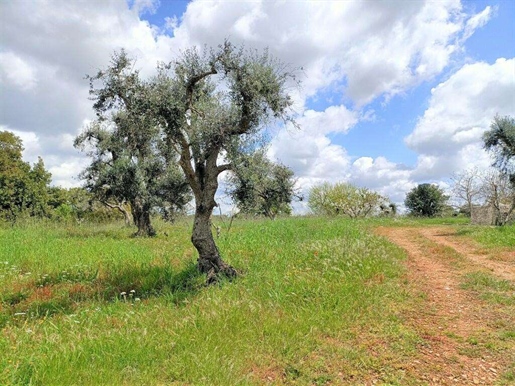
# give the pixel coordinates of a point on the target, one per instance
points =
(25, 191)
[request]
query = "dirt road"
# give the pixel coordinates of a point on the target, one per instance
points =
(462, 332)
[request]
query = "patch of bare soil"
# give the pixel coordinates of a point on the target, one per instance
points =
(451, 319)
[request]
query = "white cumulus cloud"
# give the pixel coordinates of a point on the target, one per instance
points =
(448, 135)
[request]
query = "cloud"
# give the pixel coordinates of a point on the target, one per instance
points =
(478, 20)
(334, 119)
(48, 48)
(31, 145)
(51, 46)
(145, 6)
(309, 152)
(65, 170)
(448, 135)
(378, 48)
(16, 72)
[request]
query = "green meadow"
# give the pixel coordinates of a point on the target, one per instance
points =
(318, 301)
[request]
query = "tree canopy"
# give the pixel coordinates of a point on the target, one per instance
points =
(125, 145)
(426, 200)
(23, 189)
(261, 187)
(500, 140)
(344, 199)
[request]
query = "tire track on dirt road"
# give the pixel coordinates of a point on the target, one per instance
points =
(504, 267)
(449, 317)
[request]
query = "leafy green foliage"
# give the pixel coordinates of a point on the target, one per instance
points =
(124, 144)
(261, 187)
(426, 200)
(500, 140)
(23, 189)
(343, 199)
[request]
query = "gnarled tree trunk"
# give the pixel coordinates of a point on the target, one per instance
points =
(209, 260)
(141, 216)
(204, 182)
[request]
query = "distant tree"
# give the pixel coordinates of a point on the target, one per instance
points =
(343, 199)
(22, 188)
(388, 209)
(261, 187)
(500, 140)
(468, 188)
(125, 145)
(39, 181)
(211, 104)
(426, 200)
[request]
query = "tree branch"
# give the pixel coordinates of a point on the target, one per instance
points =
(223, 168)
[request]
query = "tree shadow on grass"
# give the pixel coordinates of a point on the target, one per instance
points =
(63, 292)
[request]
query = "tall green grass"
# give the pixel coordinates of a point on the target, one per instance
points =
(491, 236)
(318, 301)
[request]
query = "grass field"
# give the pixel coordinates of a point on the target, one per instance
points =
(319, 301)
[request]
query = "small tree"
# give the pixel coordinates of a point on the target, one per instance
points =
(39, 181)
(426, 200)
(467, 188)
(499, 192)
(260, 187)
(500, 140)
(343, 199)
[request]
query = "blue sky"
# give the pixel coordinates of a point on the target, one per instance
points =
(394, 93)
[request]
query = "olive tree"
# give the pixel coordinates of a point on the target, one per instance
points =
(210, 104)
(125, 144)
(261, 187)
